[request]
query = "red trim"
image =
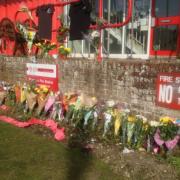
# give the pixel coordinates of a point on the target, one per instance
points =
(164, 21)
(45, 70)
(164, 53)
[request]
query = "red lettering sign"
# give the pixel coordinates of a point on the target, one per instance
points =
(168, 90)
(43, 74)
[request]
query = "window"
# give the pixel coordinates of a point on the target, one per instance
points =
(165, 37)
(166, 8)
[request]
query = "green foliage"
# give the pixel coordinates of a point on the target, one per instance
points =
(168, 131)
(11, 98)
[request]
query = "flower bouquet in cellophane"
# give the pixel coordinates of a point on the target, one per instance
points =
(63, 30)
(167, 135)
(28, 34)
(3, 95)
(20, 90)
(42, 97)
(31, 97)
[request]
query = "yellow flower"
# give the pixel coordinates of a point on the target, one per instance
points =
(29, 88)
(68, 50)
(166, 120)
(131, 118)
(38, 44)
(146, 126)
(44, 88)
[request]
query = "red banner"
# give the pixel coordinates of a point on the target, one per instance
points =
(168, 90)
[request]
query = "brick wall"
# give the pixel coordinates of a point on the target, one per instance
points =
(128, 81)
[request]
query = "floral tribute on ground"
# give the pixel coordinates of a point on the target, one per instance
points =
(103, 120)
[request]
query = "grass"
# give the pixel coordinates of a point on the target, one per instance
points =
(175, 161)
(24, 155)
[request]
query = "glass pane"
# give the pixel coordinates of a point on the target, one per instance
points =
(165, 8)
(113, 41)
(88, 47)
(95, 10)
(161, 8)
(137, 29)
(76, 46)
(165, 37)
(113, 10)
(173, 7)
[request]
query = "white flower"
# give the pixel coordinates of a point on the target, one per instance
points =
(110, 103)
(154, 123)
(95, 34)
(143, 118)
(127, 111)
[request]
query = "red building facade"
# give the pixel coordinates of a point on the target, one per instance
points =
(8, 12)
(154, 29)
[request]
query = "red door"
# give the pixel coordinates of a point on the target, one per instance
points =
(165, 31)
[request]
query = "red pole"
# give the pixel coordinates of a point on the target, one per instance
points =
(116, 25)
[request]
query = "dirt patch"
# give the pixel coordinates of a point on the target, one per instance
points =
(135, 165)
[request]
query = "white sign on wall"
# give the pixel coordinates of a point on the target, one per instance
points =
(43, 74)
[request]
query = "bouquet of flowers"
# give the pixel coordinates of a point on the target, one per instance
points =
(140, 131)
(63, 51)
(62, 31)
(130, 128)
(117, 121)
(28, 34)
(42, 97)
(31, 96)
(166, 135)
(31, 100)
(168, 129)
(17, 89)
(2, 96)
(95, 40)
(45, 47)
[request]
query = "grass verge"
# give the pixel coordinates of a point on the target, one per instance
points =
(24, 155)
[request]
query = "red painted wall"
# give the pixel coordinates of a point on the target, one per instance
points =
(8, 8)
